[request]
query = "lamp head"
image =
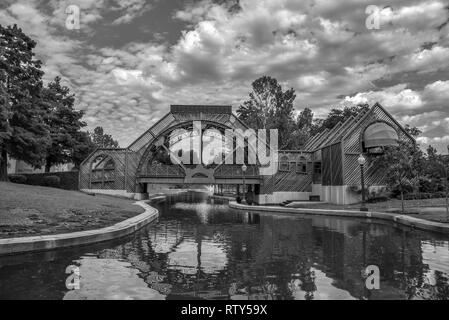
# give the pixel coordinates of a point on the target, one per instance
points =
(361, 160)
(244, 167)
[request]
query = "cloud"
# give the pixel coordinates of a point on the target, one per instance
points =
(320, 48)
(395, 98)
(130, 9)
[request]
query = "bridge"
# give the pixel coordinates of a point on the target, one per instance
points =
(149, 159)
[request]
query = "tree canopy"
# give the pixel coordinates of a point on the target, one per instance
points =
(25, 135)
(64, 123)
(38, 124)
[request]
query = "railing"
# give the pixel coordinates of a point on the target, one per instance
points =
(224, 171)
(230, 170)
(165, 171)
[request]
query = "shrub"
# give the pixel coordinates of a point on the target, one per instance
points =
(67, 180)
(18, 179)
(52, 181)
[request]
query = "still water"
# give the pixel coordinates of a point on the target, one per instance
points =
(201, 249)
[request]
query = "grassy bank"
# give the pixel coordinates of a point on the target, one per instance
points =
(33, 210)
(429, 209)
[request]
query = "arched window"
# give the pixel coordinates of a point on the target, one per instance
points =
(284, 164)
(377, 136)
(102, 173)
(301, 165)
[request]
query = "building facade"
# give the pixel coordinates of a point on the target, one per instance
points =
(326, 170)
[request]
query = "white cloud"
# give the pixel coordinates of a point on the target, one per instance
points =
(395, 98)
(323, 50)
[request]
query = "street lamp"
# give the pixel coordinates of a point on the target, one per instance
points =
(244, 167)
(362, 160)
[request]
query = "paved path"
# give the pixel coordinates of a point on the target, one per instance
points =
(398, 218)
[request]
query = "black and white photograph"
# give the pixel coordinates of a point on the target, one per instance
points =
(222, 153)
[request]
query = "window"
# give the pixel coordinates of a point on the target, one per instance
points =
(317, 167)
(102, 173)
(301, 165)
(284, 164)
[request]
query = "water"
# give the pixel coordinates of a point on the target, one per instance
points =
(205, 250)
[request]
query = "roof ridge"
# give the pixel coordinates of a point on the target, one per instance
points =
(313, 140)
(318, 142)
(341, 129)
(331, 133)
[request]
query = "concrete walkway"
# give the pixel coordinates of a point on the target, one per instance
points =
(397, 218)
(49, 242)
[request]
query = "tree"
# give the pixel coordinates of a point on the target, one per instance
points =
(64, 123)
(304, 128)
(269, 107)
(401, 165)
(103, 140)
(437, 169)
(24, 134)
(337, 115)
(83, 147)
(413, 131)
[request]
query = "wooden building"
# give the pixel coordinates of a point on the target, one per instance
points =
(327, 168)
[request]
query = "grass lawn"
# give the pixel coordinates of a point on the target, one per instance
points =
(32, 210)
(429, 209)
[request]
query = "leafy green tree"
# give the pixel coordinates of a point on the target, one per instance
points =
(64, 123)
(437, 169)
(102, 139)
(83, 147)
(24, 134)
(337, 115)
(304, 128)
(413, 131)
(269, 107)
(401, 165)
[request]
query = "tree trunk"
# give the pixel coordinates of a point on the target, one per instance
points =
(47, 166)
(402, 201)
(3, 165)
(447, 201)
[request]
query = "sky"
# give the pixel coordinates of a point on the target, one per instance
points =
(130, 59)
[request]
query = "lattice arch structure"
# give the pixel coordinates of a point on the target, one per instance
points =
(131, 163)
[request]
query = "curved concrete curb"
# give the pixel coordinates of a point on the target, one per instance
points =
(50, 242)
(397, 218)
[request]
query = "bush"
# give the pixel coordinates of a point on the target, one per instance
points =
(67, 180)
(52, 181)
(18, 179)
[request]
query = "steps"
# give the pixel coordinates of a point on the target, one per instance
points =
(285, 203)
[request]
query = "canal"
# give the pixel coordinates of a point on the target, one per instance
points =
(201, 249)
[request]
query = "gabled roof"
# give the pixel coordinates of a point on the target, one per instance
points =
(342, 130)
(182, 113)
(315, 145)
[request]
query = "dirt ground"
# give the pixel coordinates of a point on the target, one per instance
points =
(32, 210)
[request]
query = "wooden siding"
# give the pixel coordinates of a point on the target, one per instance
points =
(353, 147)
(332, 165)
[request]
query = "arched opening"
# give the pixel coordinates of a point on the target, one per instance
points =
(377, 136)
(284, 164)
(301, 165)
(102, 173)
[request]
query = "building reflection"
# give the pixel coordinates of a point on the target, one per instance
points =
(220, 254)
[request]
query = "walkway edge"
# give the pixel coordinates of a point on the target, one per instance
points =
(395, 218)
(12, 246)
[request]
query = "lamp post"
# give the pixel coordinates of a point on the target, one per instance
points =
(244, 167)
(362, 160)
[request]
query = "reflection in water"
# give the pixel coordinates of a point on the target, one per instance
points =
(200, 249)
